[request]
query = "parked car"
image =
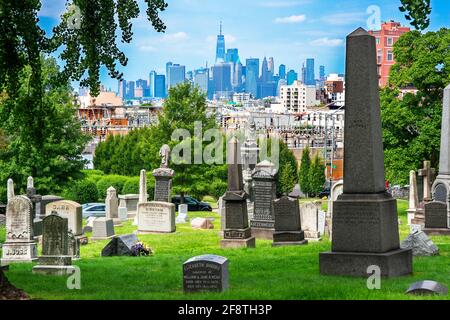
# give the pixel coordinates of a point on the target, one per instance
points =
(326, 190)
(94, 210)
(193, 204)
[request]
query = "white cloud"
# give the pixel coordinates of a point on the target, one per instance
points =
(326, 42)
(175, 37)
(283, 4)
(147, 48)
(291, 19)
(345, 18)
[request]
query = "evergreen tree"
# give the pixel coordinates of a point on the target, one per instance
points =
(316, 175)
(287, 178)
(304, 172)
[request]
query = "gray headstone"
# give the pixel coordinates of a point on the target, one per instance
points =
(420, 244)
(427, 287)
(74, 246)
(436, 215)
(440, 193)
(55, 238)
(207, 273)
(163, 184)
(287, 222)
(120, 246)
(70, 210)
(156, 217)
(103, 229)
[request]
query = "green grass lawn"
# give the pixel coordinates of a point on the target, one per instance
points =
(260, 273)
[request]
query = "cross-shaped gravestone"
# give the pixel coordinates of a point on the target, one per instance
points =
(428, 174)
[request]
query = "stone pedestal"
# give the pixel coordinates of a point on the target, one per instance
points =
(131, 202)
(156, 217)
(102, 229)
(163, 184)
(236, 234)
(54, 266)
(182, 214)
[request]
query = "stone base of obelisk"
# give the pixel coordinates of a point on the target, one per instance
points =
(392, 263)
(262, 233)
(437, 231)
(365, 233)
(54, 265)
(289, 238)
(238, 238)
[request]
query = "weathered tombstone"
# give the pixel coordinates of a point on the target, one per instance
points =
(131, 202)
(288, 229)
(103, 229)
(413, 197)
(89, 224)
(163, 177)
(309, 212)
(427, 287)
(10, 189)
(70, 210)
(264, 191)
(123, 212)
(143, 197)
(420, 244)
(19, 245)
(74, 246)
(55, 258)
(120, 246)
(156, 217)
(207, 273)
(182, 214)
(321, 221)
(201, 223)
(45, 201)
(237, 232)
(436, 219)
(112, 206)
(365, 221)
(427, 174)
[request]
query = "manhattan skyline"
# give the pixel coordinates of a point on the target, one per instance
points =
(288, 30)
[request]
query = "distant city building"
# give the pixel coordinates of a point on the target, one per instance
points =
(271, 67)
(267, 89)
(151, 83)
(291, 77)
(220, 48)
(237, 76)
(281, 82)
(121, 92)
(176, 75)
(201, 79)
(241, 98)
(222, 78)
(252, 76)
(168, 65)
(160, 86)
(385, 39)
(322, 73)
(143, 88)
(265, 74)
(232, 55)
(310, 79)
(335, 90)
(282, 71)
(298, 97)
(130, 90)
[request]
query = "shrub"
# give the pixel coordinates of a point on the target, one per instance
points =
(82, 191)
(111, 180)
(131, 186)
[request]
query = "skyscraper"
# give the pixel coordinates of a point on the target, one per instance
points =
(222, 78)
(271, 67)
(265, 75)
(322, 73)
(310, 78)
(291, 77)
(122, 90)
(130, 90)
(220, 49)
(282, 71)
(160, 86)
(252, 76)
(201, 79)
(176, 75)
(232, 55)
(142, 85)
(151, 83)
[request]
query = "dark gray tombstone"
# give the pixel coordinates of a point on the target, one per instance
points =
(427, 287)
(264, 192)
(55, 258)
(236, 233)
(163, 184)
(365, 222)
(120, 246)
(207, 273)
(436, 215)
(73, 246)
(440, 193)
(288, 229)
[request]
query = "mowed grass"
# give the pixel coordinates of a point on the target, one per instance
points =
(261, 273)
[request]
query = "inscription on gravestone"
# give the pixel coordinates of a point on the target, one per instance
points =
(436, 215)
(440, 193)
(205, 273)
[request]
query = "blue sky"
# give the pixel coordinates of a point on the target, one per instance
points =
(288, 30)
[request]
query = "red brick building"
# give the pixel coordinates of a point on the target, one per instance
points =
(385, 39)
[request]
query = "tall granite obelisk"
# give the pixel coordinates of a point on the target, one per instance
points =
(441, 186)
(365, 221)
(237, 232)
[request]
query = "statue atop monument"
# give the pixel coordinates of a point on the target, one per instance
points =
(164, 153)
